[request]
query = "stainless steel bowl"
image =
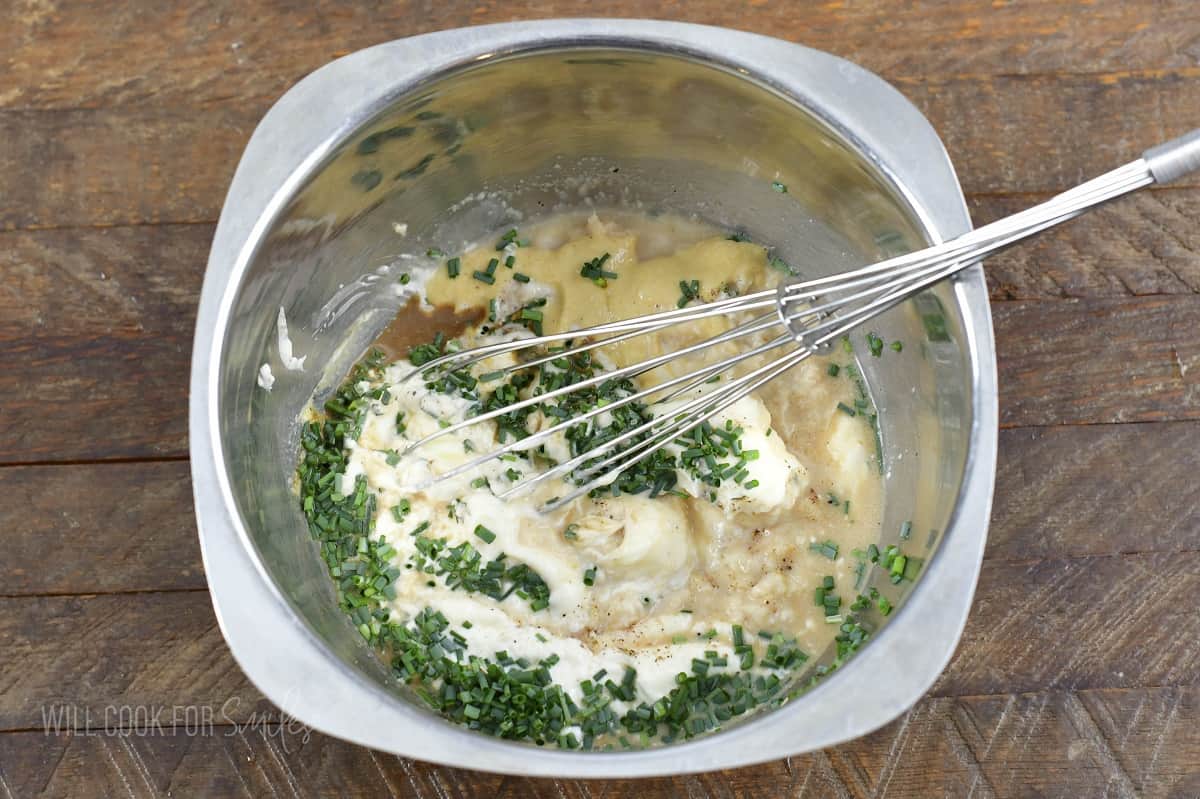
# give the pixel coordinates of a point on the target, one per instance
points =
(456, 133)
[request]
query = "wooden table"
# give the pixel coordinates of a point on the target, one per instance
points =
(119, 131)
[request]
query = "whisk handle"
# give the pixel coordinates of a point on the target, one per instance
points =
(1172, 160)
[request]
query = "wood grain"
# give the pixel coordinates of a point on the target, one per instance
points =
(1144, 244)
(1055, 499)
(100, 281)
(1078, 673)
(70, 397)
(165, 648)
(142, 164)
(1092, 490)
(90, 652)
(1103, 360)
(1049, 744)
(103, 315)
(98, 528)
(1089, 361)
(164, 52)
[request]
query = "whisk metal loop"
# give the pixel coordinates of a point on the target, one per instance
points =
(807, 314)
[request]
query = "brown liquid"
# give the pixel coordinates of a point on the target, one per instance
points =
(415, 325)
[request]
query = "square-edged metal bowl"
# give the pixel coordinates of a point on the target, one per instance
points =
(445, 136)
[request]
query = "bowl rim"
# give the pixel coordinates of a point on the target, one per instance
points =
(276, 648)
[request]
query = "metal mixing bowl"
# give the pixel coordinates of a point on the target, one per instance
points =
(453, 134)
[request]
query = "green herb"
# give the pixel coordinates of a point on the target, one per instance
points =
(897, 346)
(905, 530)
(434, 252)
(453, 266)
(462, 567)
(405, 278)
(594, 271)
(846, 409)
(833, 370)
(508, 238)
(778, 263)
(689, 290)
(874, 344)
(589, 576)
(779, 187)
(483, 277)
(520, 277)
(571, 532)
(510, 261)
(827, 548)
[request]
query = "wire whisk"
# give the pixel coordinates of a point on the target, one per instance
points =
(785, 326)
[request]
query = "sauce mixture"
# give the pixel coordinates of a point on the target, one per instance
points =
(688, 592)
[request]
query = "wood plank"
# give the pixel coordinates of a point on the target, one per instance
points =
(1089, 490)
(98, 528)
(98, 321)
(164, 52)
(89, 652)
(1037, 133)
(1055, 498)
(1089, 361)
(97, 281)
(1095, 622)
(69, 397)
(1147, 243)
(122, 331)
(139, 164)
(1096, 361)
(1089, 743)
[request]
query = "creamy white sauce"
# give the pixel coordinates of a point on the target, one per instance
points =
(673, 573)
(290, 362)
(653, 555)
(266, 379)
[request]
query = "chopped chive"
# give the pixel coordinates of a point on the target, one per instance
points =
(453, 266)
(510, 260)
(483, 277)
(589, 576)
(846, 409)
(482, 532)
(827, 548)
(897, 346)
(833, 370)
(905, 530)
(520, 277)
(779, 187)
(405, 278)
(874, 344)
(689, 290)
